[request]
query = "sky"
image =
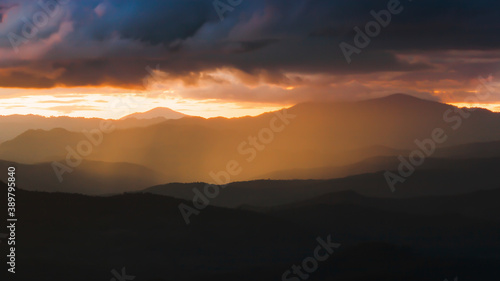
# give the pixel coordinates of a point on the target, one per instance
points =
(109, 58)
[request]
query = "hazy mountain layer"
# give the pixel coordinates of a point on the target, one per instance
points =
(89, 177)
(440, 177)
(306, 136)
(13, 125)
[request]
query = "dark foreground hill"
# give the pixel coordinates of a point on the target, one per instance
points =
(432, 224)
(480, 204)
(435, 177)
(74, 237)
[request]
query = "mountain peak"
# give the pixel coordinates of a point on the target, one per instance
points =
(402, 100)
(157, 112)
(402, 97)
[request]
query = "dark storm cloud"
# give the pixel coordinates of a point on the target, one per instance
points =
(25, 80)
(423, 24)
(110, 42)
(152, 22)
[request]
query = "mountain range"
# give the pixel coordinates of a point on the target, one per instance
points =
(13, 125)
(318, 141)
(291, 178)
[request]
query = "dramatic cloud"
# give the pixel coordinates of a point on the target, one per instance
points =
(282, 48)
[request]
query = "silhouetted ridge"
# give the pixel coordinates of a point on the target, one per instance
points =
(402, 97)
(159, 112)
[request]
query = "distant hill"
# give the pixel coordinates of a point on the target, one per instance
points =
(438, 178)
(90, 177)
(388, 160)
(317, 135)
(479, 204)
(14, 125)
(163, 112)
(435, 177)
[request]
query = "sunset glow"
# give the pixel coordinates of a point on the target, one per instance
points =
(259, 140)
(242, 66)
(120, 105)
(494, 107)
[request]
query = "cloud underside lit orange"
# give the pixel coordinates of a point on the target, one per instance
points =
(263, 56)
(230, 92)
(210, 100)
